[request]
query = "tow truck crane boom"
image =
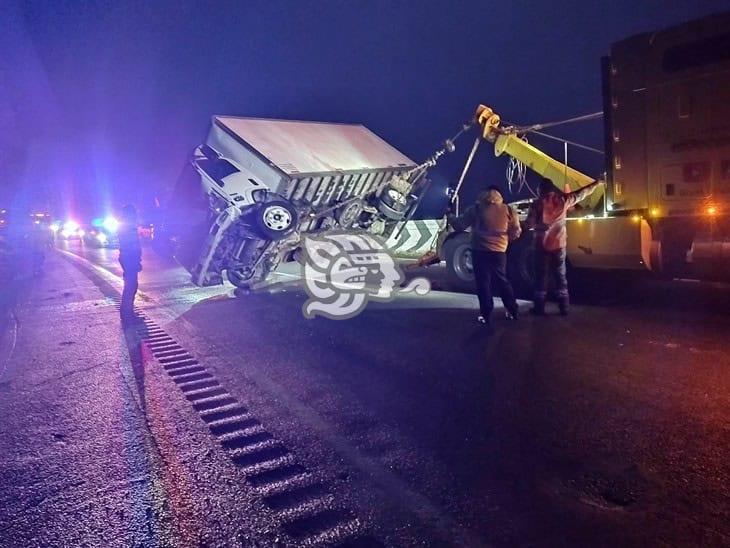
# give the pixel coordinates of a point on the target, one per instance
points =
(507, 141)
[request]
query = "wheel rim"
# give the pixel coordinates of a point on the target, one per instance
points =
(350, 213)
(277, 218)
(237, 277)
(463, 263)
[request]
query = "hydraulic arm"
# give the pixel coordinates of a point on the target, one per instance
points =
(507, 141)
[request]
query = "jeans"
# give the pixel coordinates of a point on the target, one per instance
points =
(490, 269)
(550, 263)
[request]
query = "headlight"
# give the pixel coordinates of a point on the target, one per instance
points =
(70, 226)
(111, 224)
(102, 238)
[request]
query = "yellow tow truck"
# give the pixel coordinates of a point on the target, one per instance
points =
(666, 204)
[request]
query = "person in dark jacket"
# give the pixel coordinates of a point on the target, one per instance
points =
(493, 225)
(130, 257)
(38, 246)
(547, 218)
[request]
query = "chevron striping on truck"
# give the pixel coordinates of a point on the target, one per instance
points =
(416, 238)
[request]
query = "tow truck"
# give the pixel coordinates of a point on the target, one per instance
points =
(665, 207)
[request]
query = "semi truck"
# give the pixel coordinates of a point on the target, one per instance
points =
(255, 186)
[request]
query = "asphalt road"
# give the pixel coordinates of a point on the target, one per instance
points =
(238, 422)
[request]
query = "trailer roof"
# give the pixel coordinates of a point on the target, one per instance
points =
(314, 147)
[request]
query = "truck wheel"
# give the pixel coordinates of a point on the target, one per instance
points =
(240, 279)
(275, 220)
(457, 253)
(348, 214)
(242, 274)
(520, 261)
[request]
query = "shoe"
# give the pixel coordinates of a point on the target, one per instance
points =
(484, 321)
(563, 306)
(485, 326)
(512, 316)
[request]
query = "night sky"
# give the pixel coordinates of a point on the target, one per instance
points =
(101, 102)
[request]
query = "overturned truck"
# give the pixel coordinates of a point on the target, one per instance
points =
(256, 186)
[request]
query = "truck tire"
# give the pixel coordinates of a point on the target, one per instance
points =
(275, 220)
(242, 274)
(239, 279)
(520, 266)
(457, 254)
(349, 213)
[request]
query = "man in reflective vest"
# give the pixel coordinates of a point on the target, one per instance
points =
(547, 218)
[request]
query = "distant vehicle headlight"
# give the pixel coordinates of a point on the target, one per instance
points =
(81, 233)
(102, 238)
(70, 227)
(111, 224)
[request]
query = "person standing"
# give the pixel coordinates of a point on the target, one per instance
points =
(546, 217)
(493, 225)
(38, 245)
(130, 257)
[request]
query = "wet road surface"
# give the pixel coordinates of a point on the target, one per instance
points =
(234, 421)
